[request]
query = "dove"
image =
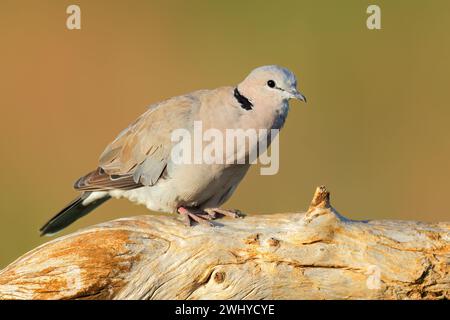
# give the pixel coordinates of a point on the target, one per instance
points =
(138, 165)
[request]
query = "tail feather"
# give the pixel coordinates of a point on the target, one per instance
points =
(72, 212)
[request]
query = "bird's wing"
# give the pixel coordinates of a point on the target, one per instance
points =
(139, 154)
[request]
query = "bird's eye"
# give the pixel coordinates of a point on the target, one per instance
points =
(271, 83)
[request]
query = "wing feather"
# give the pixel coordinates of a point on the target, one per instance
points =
(140, 153)
(99, 180)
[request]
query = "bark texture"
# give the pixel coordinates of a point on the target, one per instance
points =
(314, 255)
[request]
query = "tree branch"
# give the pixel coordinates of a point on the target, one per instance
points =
(314, 255)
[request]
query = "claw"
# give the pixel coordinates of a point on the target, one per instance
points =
(229, 213)
(211, 213)
(205, 216)
(189, 216)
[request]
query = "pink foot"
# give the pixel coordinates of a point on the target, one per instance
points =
(228, 213)
(199, 217)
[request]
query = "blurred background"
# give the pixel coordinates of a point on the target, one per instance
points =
(374, 131)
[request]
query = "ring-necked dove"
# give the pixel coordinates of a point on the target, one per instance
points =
(137, 165)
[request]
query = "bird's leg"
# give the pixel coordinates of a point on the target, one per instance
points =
(229, 213)
(190, 215)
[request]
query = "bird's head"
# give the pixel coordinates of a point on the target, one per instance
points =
(270, 85)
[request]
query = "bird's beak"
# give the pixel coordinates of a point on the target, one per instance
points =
(295, 94)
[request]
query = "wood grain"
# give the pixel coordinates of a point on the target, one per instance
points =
(314, 255)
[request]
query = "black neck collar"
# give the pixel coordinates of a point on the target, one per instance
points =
(243, 101)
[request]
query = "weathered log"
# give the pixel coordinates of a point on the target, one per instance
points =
(314, 255)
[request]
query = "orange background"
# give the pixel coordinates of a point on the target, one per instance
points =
(375, 129)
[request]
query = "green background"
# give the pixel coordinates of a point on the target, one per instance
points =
(374, 131)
